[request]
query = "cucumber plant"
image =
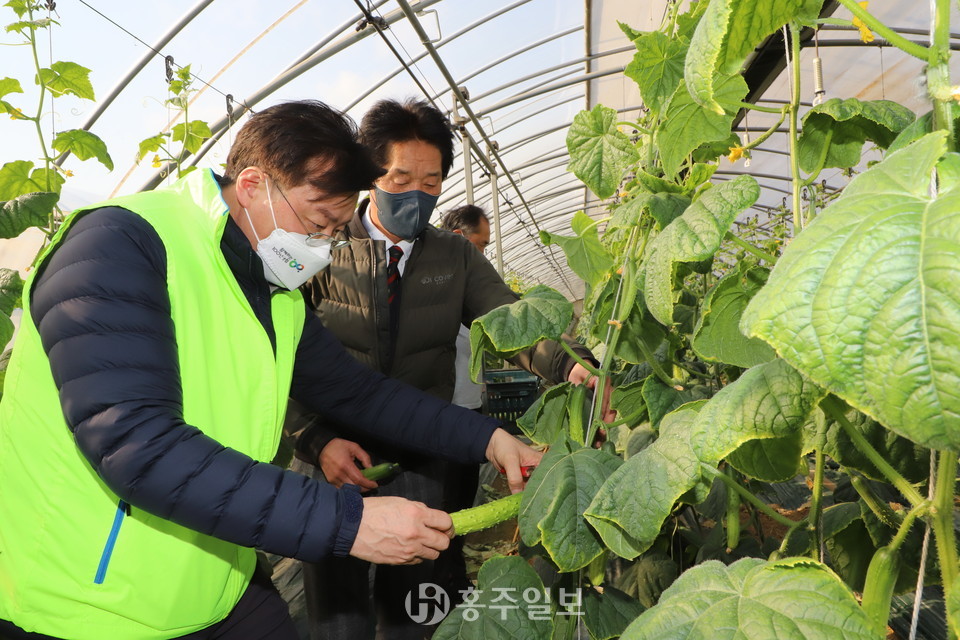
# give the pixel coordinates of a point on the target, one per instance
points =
(29, 194)
(821, 355)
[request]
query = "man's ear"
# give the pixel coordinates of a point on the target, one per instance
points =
(250, 181)
(459, 232)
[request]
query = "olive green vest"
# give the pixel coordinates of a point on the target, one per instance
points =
(75, 561)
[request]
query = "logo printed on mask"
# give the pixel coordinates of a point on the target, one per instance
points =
(288, 261)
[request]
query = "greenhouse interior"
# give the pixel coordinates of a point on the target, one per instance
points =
(705, 364)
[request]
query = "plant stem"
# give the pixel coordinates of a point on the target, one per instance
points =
(821, 161)
(43, 92)
(586, 365)
(942, 522)
(634, 125)
(938, 72)
(749, 497)
(755, 107)
(816, 503)
(794, 119)
(655, 364)
(769, 132)
(749, 248)
(832, 407)
(886, 32)
(904, 528)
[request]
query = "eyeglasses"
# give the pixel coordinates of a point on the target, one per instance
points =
(317, 238)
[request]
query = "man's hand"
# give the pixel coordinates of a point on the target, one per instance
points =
(509, 454)
(580, 375)
(338, 466)
(399, 531)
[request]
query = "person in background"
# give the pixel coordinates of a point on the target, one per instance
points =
(473, 224)
(396, 297)
(161, 336)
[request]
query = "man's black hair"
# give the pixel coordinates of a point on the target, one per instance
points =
(304, 141)
(465, 218)
(389, 121)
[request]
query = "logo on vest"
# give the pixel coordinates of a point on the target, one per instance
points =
(438, 280)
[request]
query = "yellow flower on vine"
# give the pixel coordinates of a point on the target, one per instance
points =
(68, 173)
(865, 34)
(735, 153)
(16, 114)
(156, 162)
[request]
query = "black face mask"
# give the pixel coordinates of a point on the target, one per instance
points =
(405, 214)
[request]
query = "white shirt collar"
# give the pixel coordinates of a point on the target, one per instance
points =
(376, 234)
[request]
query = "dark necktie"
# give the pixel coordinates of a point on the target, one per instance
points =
(393, 288)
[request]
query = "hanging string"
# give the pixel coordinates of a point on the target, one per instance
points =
(746, 137)
(918, 593)
(51, 7)
(883, 88)
(168, 60)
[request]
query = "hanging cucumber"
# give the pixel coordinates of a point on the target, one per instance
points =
(878, 587)
(486, 515)
(733, 515)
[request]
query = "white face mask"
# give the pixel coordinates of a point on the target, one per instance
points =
(288, 261)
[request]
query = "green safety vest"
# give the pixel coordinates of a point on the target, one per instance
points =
(75, 561)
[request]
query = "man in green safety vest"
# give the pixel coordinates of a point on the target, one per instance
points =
(162, 334)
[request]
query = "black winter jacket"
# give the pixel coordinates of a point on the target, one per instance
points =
(103, 313)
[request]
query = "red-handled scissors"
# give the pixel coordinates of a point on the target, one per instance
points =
(525, 470)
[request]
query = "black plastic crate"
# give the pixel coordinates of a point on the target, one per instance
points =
(509, 393)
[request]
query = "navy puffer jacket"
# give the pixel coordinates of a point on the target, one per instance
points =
(103, 313)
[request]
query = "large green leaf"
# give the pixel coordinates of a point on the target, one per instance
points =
(657, 67)
(692, 237)
(909, 459)
(509, 599)
(192, 134)
(552, 413)
(687, 22)
(7, 86)
(771, 400)
(17, 179)
(84, 145)
(728, 32)
(607, 614)
(561, 488)
(64, 78)
(770, 459)
(850, 553)
(717, 337)
(865, 301)
(647, 577)
(23, 212)
(687, 125)
(630, 508)
(11, 288)
(627, 400)
(585, 255)
(661, 399)
(795, 599)
(834, 132)
(599, 152)
(542, 313)
(663, 207)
